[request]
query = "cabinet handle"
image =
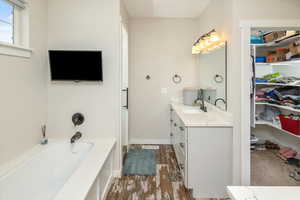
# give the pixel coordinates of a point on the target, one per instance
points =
(171, 134)
(127, 98)
(175, 124)
(182, 145)
(171, 120)
(181, 128)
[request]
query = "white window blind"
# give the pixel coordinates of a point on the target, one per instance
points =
(18, 3)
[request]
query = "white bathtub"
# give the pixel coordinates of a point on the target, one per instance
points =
(46, 172)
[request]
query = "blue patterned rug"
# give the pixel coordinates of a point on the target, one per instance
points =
(140, 162)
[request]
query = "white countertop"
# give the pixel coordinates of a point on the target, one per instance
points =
(192, 116)
(263, 193)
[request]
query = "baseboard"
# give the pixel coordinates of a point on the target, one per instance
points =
(107, 187)
(149, 141)
(117, 173)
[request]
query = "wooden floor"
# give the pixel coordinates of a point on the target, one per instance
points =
(166, 185)
(267, 169)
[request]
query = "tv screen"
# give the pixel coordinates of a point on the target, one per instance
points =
(75, 65)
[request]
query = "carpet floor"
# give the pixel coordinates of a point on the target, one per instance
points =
(267, 169)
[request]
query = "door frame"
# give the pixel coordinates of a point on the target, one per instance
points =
(245, 27)
(122, 25)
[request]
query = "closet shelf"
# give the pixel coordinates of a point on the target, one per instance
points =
(289, 62)
(279, 106)
(261, 122)
(278, 84)
(279, 42)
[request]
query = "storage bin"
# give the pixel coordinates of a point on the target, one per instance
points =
(290, 125)
(261, 81)
(260, 59)
(257, 39)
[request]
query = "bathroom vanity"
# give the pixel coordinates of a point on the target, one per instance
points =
(203, 145)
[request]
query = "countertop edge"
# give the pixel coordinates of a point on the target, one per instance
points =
(226, 124)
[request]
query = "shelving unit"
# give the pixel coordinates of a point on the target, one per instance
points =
(277, 84)
(261, 69)
(277, 43)
(289, 62)
(279, 106)
(261, 122)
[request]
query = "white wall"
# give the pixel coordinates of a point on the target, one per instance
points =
(160, 48)
(268, 9)
(92, 24)
(24, 90)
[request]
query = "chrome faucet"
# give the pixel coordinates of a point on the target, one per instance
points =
(202, 103)
(76, 137)
(220, 99)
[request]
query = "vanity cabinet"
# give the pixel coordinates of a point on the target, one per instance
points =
(179, 142)
(204, 156)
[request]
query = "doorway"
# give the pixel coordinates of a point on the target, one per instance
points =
(246, 77)
(125, 90)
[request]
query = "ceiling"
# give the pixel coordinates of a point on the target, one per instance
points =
(165, 8)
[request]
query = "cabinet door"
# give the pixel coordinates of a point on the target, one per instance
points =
(172, 129)
(209, 161)
(182, 142)
(180, 145)
(175, 134)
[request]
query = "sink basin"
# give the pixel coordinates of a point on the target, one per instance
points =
(192, 111)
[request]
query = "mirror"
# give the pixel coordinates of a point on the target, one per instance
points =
(213, 76)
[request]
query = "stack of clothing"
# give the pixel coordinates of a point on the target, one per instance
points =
(287, 96)
(278, 78)
(290, 80)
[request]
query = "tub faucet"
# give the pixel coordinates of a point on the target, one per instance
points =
(202, 103)
(76, 137)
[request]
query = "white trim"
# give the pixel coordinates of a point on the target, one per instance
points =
(107, 187)
(292, 23)
(20, 48)
(117, 173)
(245, 89)
(19, 3)
(14, 50)
(150, 141)
(245, 106)
(120, 152)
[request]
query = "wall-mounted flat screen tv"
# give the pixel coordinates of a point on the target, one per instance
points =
(75, 65)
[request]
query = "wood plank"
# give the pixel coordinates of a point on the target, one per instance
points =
(166, 185)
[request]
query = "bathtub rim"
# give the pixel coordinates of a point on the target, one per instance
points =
(17, 163)
(87, 171)
(79, 184)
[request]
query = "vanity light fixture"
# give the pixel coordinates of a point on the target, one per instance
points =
(208, 42)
